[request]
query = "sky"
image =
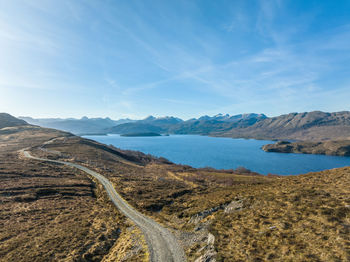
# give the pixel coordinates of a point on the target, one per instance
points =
(183, 58)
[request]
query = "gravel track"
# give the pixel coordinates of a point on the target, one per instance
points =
(162, 244)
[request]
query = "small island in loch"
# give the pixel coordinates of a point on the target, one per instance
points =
(333, 148)
(141, 134)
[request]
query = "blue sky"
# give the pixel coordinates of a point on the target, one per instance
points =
(182, 58)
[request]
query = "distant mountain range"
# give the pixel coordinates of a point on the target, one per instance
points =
(149, 124)
(294, 126)
(84, 125)
(311, 126)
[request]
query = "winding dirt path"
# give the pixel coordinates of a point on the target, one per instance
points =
(162, 244)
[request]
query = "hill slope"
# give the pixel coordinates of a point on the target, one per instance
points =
(52, 212)
(300, 126)
(6, 120)
(220, 215)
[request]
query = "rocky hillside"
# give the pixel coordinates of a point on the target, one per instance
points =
(6, 120)
(311, 126)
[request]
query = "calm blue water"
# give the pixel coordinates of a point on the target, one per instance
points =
(224, 153)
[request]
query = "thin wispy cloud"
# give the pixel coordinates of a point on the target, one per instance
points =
(181, 58)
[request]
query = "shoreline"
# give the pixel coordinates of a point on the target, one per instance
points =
(226, 168)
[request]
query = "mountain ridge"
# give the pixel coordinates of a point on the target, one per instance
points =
(312, 126)
(315, 125)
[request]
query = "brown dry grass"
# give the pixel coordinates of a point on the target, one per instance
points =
(51, 212)
(299, 218)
